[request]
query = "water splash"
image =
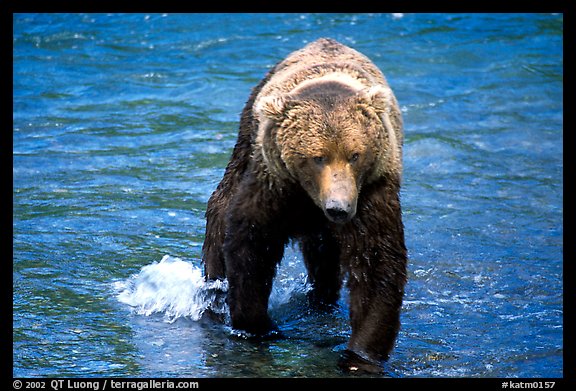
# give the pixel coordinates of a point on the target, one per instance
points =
(175, 288)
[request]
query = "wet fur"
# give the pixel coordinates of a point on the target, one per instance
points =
(254, 212)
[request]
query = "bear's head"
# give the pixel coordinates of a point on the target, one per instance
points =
(331, 140)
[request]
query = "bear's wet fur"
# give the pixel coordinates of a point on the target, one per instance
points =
(317, 160)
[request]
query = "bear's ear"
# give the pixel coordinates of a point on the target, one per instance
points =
(272, 107)
(378, 97)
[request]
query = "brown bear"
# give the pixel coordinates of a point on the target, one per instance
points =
(318, 160)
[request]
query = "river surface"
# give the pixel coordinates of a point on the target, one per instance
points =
(122, 128)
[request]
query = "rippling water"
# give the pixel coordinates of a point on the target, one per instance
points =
(123, 125)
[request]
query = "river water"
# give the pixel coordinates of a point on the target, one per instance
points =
(123, 125)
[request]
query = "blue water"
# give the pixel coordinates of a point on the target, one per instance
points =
(123, 125)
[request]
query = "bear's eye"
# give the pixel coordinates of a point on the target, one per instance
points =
(319, 160)
(354, 158)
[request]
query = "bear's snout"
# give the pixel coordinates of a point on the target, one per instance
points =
(339, 211)
(338, 193)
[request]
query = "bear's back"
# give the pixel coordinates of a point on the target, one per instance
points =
(327, 59)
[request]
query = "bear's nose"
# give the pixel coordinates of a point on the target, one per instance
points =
(338, 211)
(337, 215)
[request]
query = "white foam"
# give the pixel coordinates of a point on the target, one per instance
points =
(176, 289)
(173, 287)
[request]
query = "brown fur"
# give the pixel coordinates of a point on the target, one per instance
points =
(318, 159)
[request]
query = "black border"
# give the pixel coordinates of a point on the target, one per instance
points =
(569, 262)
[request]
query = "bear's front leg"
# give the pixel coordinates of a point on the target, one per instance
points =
(375, 320)
(252, 248)
(376, 258)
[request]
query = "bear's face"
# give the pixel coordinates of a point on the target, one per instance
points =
(330, 146)
(329, 156)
